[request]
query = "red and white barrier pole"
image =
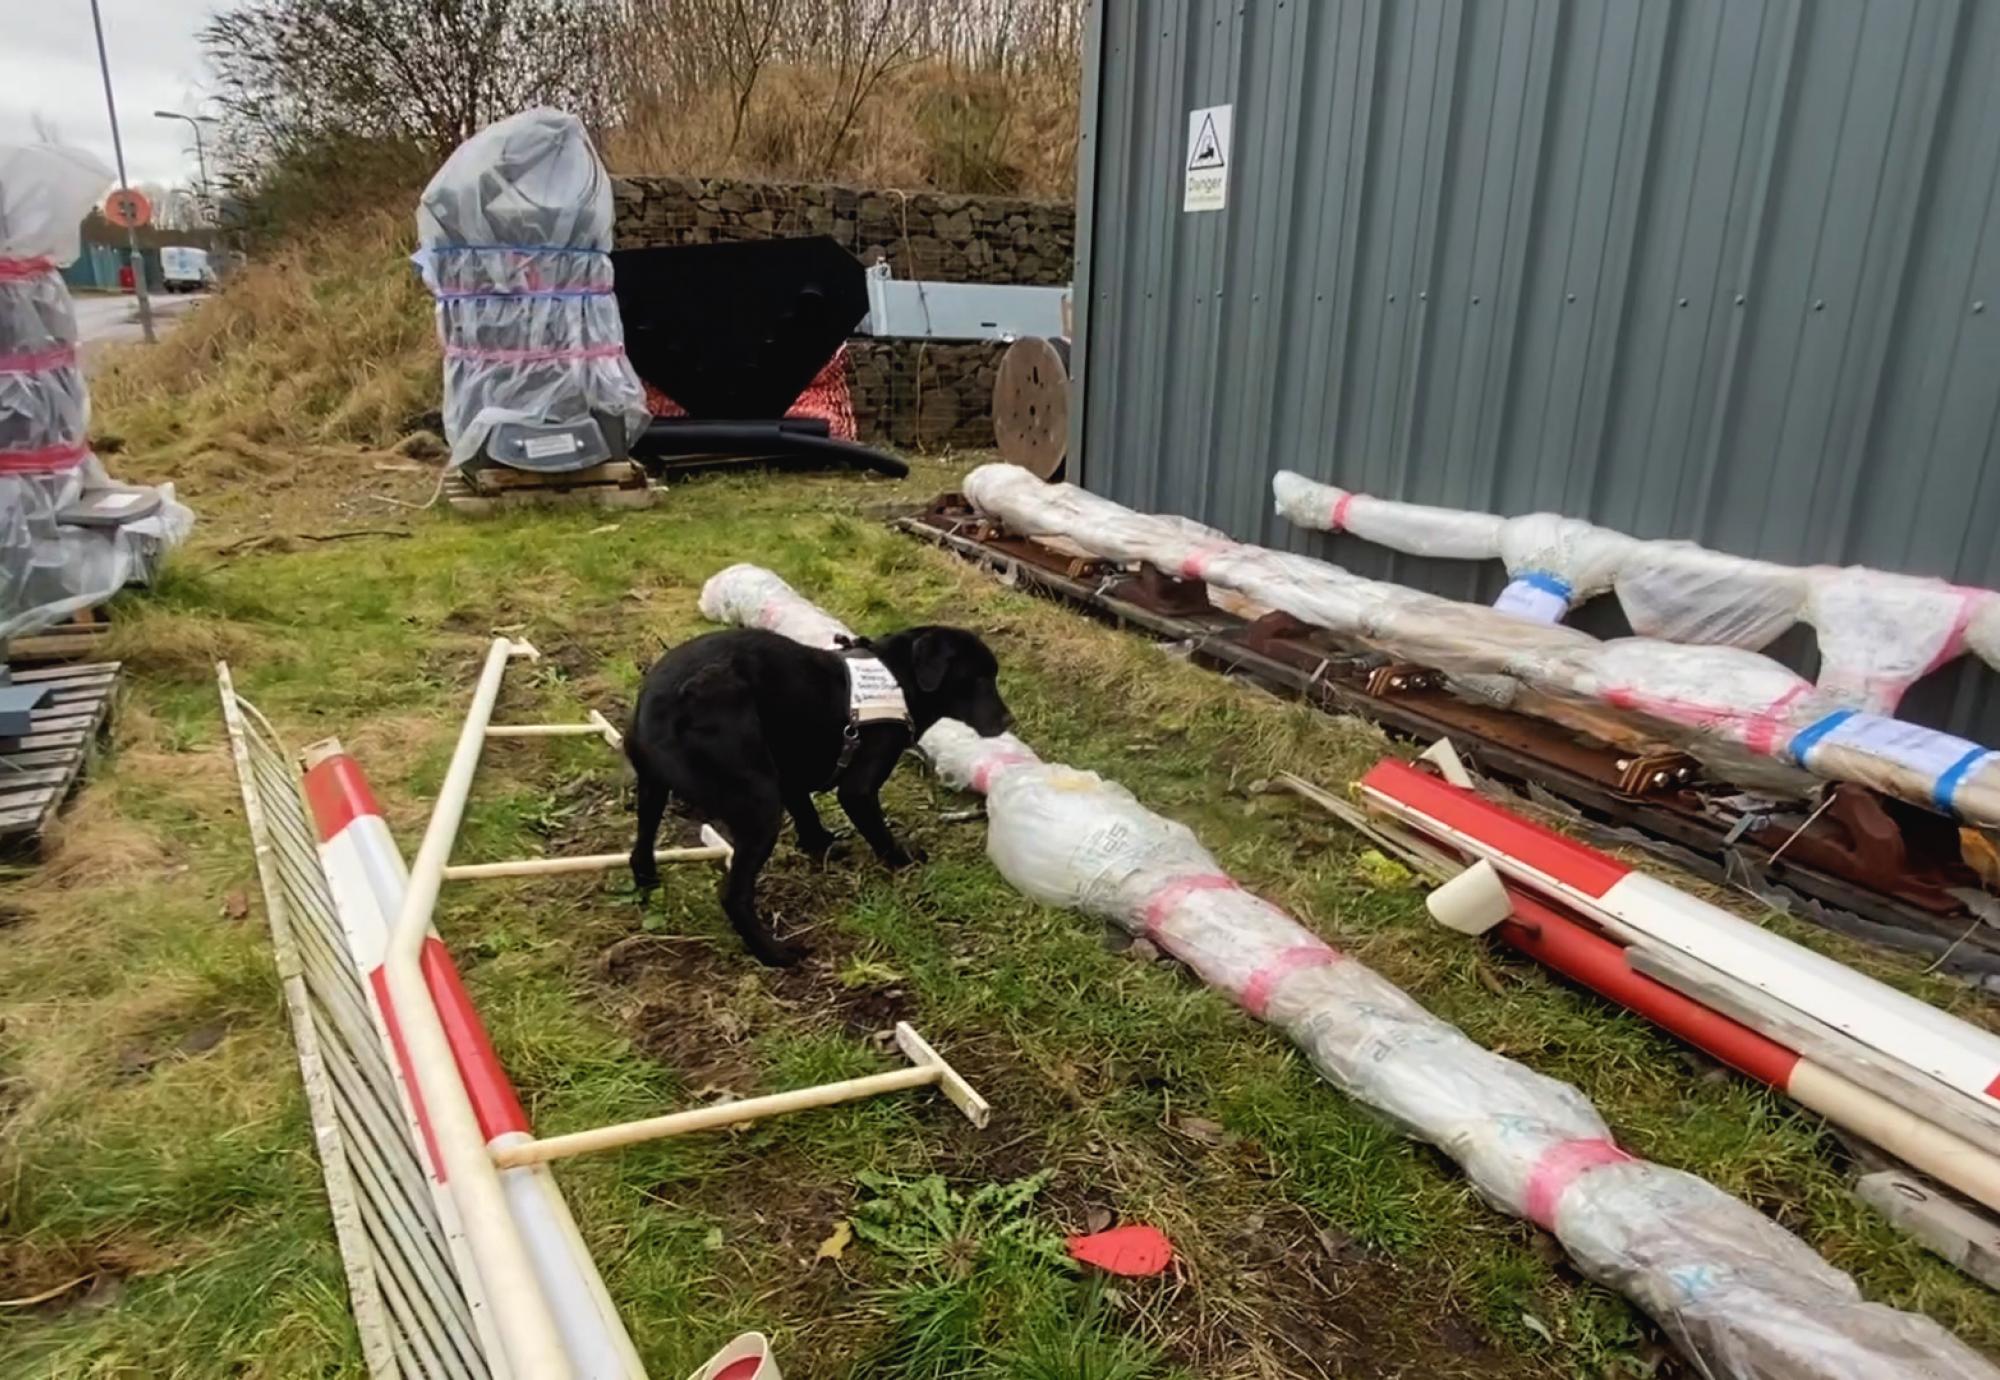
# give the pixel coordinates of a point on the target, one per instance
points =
(1634, 908)
(1589, 883)
(369, 881)
(1588, 958)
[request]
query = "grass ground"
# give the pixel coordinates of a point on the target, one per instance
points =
(157, 1182)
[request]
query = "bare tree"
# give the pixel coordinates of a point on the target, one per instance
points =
(865, 41)
(295, 72)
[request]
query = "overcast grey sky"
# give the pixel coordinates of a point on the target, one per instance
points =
(48, 66)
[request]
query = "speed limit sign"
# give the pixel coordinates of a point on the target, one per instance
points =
(128, 207)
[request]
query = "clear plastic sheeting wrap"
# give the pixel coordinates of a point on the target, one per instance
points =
(752, 597)
(515, 235)
(1740, 1296)
(49, 567)
(1685, 593)
(1747, 716)
(1879, 631)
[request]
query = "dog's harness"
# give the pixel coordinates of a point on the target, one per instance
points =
(874, 696)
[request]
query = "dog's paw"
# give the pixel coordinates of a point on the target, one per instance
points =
(821, 854)
(780, 953)
(909, 855)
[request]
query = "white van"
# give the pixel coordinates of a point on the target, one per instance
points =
(185, 268)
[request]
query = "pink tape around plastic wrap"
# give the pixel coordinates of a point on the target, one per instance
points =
(1969, 600)
(14, 270)
(1263, 984)
(1195, 563)
(983, 769)
(1337, 519)
(47, 460)
(1761, 731)
(1560, 1166)
(1162, 902)
(41, 362)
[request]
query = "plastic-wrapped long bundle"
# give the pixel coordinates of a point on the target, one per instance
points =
(1879, 631)
(752, 597)
(1744, 714)
(515, 231)
(1738, 1294)
(50, 568)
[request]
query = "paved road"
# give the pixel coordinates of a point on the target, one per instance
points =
(110, 320)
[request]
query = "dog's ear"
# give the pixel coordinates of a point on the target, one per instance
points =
(930, 658)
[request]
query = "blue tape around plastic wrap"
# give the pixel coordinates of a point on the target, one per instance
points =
(1944, 791)
(525, 292)
(1547, 583)
(1807, 738)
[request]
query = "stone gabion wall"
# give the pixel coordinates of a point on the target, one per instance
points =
(923, 394)
(946, 238)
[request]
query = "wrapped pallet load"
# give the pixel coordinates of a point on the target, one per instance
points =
(69, 537)
(1747, 717)
(515, 238)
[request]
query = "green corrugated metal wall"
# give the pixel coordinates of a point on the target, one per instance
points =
(1717, 269)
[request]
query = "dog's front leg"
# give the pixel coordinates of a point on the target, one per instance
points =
(861, 798)
(815, 839)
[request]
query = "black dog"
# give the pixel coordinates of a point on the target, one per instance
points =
(740, 727)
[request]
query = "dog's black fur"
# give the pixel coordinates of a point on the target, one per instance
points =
(741, 727)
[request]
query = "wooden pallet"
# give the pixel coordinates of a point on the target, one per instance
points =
(40, 769)
(82, 636)
(496, 489)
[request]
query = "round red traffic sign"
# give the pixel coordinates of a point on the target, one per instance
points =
(128, 207)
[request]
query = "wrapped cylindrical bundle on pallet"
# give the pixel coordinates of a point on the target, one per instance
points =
(515, 234)
(1748, 717)
(69, 538)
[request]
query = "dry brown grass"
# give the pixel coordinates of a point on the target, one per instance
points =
(929, 125)
(324, 343)
(93, 843)
(170, 642)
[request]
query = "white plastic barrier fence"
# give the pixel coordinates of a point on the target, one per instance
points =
(365, 871)
(1747, 716)
(1879, 631)
(1739, 1295)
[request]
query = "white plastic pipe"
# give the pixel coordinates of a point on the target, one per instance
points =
(583, 862)
(540, 1151)
(527, 1326)
(544, 731)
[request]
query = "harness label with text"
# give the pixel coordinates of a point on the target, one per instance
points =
(873, 696)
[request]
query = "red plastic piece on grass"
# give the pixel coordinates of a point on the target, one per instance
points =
(745, 1369)
(1135, 1250)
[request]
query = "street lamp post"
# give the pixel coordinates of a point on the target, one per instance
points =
(118, 148)
(200, 158)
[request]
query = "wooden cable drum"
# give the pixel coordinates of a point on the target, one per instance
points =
(1031, 405)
